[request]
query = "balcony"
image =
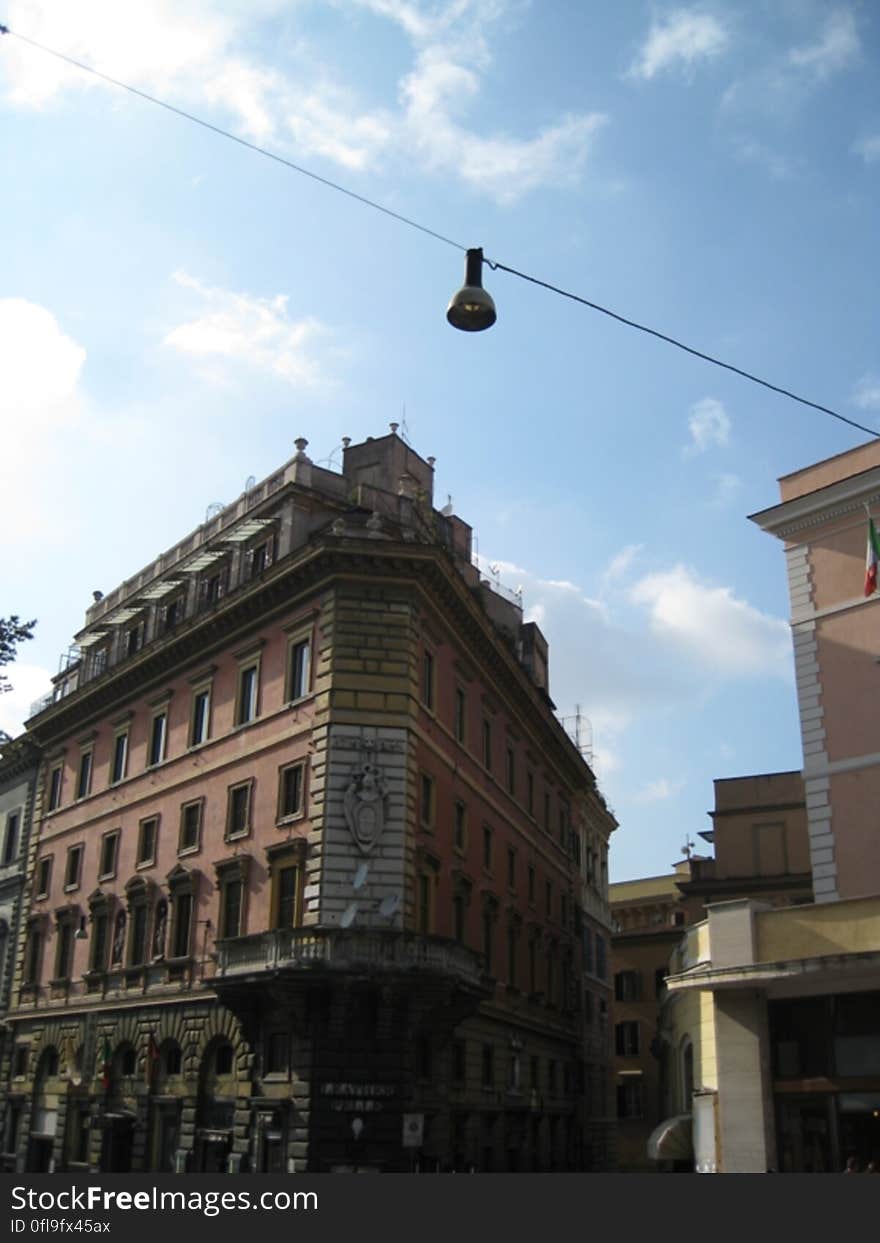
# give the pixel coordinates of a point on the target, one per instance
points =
(325, 952)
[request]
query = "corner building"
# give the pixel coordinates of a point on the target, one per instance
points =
(318, 881)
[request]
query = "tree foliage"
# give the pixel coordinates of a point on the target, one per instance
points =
(12, 632)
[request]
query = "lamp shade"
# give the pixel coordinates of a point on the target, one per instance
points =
(471, 309)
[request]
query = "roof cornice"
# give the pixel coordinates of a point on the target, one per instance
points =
(836, 500)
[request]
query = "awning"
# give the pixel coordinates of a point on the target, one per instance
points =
(672, 1140)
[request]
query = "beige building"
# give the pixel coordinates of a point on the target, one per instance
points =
(782, 1006)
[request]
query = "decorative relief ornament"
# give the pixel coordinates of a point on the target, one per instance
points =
(366, 806)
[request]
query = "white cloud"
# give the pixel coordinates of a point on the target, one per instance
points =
(679, 41)
(727, 487)
(710, 625)
(658, 791)
(780, 166)
(194, 52)
(40, 402)
(708, 425)
(867, 392)
(833, 51)
(868, 148)
(619, 565)
(29, 683)
(256, 331)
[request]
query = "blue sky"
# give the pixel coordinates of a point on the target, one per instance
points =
(175, 311)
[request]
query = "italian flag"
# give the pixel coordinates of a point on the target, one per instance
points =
(872, 558)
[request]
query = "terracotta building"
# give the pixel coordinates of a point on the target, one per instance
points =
(319, 881)
(784, 1003)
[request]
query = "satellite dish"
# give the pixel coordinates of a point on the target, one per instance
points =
(360, 876)
(388, 906)
(348, 915)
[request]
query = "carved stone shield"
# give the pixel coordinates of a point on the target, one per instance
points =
(366, 806)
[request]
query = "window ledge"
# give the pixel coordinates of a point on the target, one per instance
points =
(293, 818)
(145, 863)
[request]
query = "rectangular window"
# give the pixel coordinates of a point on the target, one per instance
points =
(148, 835)
(488, 1066)
(601, 958)
(100, 941)
(44, 873)
(238, 811)
(137, 936)
(511, 868)
(259, 558)
(426, 800)
(511, 955)
(530, 793)
(533, 965)
(298, 669)
(277, 1053)
(248, 685)
(64, 952)
(33, 958)
(547, 810)
(626, 1039)
(563, 826)
(428, 679)
(74, 867)
(190, 826)
(511, 771)
(488, 931)
(119, 762)
(487, 745)
(548, 898)
(172, 613)
(459, 1061)
(487, 848)
(183, 907)
(460, 715)
(588, 950)
(551, 1076)
(134, 637)
(109, 850)
(627, 986)
(158, 730)
(531, 885)
(458, 912)
(200, 717)
(288, 897)
(84, 776)
(459, 831)
(423, 913)
(231, 907)
(291, 782)
(55, 778)
(10, 843)
(629, 1100)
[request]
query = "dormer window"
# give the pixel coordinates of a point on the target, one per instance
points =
(259, 557)
(133, 639)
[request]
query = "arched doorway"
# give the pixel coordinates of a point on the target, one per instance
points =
(44, 1115)
(166, 1102)
(215, 1108)
(120, 1113)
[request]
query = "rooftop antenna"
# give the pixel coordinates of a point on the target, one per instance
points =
(404, 430)
(688, 846)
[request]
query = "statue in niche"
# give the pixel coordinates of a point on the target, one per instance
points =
(159, 927)
(365, 805)
(118, 940)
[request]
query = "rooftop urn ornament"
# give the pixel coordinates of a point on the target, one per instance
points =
(472, 309)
